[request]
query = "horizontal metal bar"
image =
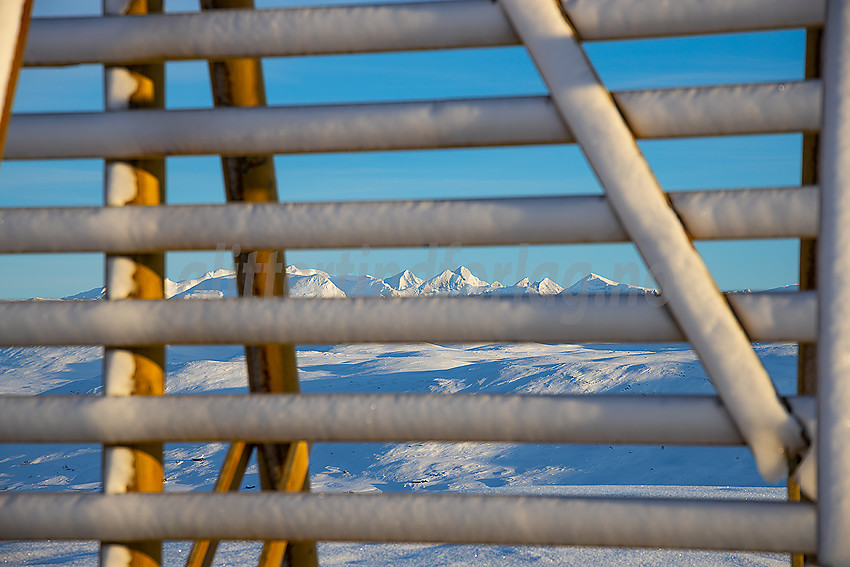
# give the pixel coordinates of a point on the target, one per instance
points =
(661, 420)
(268, 33)
(755, 213)
(705, 111)
(748, 213)
(375, 28)
(450, 518)
(626, 19)
(556, 318)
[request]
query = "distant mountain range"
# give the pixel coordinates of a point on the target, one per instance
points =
(316, 283)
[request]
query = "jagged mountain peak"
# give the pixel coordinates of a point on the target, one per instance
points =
(594, 283)
(306, 282)
(403, 280)
(469, 277)
(591, 277)
(546, 287)
(460, 281)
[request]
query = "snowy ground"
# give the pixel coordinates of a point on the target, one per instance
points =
(423, 467)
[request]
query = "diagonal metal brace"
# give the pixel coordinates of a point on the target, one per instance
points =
(643, 209)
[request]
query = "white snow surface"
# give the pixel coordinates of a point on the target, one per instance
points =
(639, 369)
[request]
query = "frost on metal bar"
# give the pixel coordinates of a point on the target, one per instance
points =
(387, 27)
(705, 111)
(636, 197)
(757, 213)
(734, 109)
(833, 439)
(451, 518)
(621, 19)
(558, 318)
(665, 420)
(268, 33)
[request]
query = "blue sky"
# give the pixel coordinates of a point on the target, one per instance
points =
(752, 161)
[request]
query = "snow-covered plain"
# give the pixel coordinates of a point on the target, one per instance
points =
(639, 369)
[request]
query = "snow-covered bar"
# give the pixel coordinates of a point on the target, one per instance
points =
(386, 27)
(631, 420)
(661, 113)
(789, 212)
(556, 318)
(450, 518)
(833, 363)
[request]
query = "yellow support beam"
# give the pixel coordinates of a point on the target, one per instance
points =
(232, 471)
(132, 370)
(261, 273)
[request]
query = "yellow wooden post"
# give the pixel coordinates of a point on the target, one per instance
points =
(130, 370)
(261, 273)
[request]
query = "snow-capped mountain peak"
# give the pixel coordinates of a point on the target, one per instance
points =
(445, 282)
(403, 280)
(545, 287)
(469, 278)
(594, 283)
(303, 282)
(176, 288)
(458, 282)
